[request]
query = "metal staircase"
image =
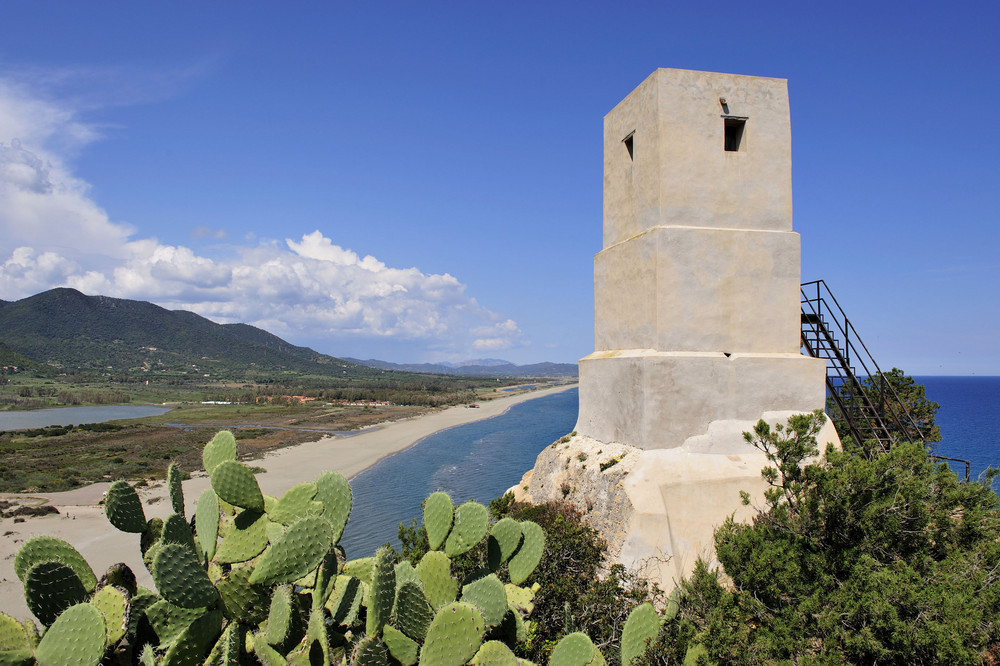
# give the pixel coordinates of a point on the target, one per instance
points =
(868, 404)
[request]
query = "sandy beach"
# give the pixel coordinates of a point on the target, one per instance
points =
(81, 520)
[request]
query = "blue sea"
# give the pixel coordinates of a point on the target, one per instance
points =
(968, 418)
(481, 460)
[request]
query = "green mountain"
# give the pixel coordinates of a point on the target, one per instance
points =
(65, 329)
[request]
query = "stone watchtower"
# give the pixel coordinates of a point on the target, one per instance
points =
(697, 319)
(697, 288)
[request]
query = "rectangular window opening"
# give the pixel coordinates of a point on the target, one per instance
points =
(734, 133)
(628, 144)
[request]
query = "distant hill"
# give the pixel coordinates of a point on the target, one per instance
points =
(66, 331)
(63, 328)
(483, 368)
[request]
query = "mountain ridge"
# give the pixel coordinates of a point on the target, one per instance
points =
(65, 329)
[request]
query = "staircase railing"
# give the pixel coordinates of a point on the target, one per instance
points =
(868, 403)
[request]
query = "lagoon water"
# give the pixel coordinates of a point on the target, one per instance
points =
(64, 416)
(481, 460)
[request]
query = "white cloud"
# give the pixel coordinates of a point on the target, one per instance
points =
(308, 289)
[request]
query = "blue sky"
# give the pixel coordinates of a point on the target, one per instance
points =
(422, 181)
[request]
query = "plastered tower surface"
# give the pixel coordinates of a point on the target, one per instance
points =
(696, 318)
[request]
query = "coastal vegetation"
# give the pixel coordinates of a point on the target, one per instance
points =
(857, 556)
(256, 579)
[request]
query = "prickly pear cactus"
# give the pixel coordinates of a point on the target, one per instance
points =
(234, 482)
(576, 649)
(640, 632)
(123, 508)
(528, 555)
(254, 578)
(221, 448)
(50, 549)
(76, 638)
(469, 528)
(437, 518)
(454, 637)
(176, 490)
(297, 552)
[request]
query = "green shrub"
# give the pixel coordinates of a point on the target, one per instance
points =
(885, 559)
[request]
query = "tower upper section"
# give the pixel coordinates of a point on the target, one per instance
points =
(698, 149)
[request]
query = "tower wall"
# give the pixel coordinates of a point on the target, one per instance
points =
(696, 291)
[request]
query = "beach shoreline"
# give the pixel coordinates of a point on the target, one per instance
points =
(82, 523)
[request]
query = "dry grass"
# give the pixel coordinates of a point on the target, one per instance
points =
(146, 447)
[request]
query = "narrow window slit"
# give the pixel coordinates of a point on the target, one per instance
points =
(734, 133)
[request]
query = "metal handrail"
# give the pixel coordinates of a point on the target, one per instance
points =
(841, 360)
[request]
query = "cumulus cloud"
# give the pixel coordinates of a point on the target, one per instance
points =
(307, 289)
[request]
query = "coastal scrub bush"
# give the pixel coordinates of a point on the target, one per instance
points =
(887, 559)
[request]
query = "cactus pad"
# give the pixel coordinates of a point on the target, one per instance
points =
(673, 605)
(193, 643)
(176, 530)
(206, 522)
(405, 573)
(267, 655)
(19, 657)
(283, 618)
(640, 631)
(494, 653)
(246, 538)
(469, 528)
(361, 568)
(371, 651)
(334, 492)
(345, 601)
(13, 635)
(504, 539)
(168, 620)
(403, 649)
(296, 503)
(485, 591)
(413, 613)
(383, 591)
(233, 482)
(176, 489)
(438, 512)
(454, 637)
(50, 549)
(242, 601)
(123, 508)
(297, 552)
(76, 638)
(113, 605)
(221, 448)
(574, 649)
(181, 579)
(119, 575)
(529, 554)
(435, 574)
(50, 588)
